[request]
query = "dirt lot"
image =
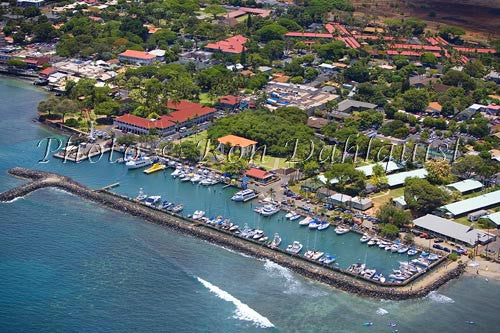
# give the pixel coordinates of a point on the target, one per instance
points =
(480, 18)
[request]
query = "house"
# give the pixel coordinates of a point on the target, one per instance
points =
(159, 54)
(493, 218)
(463, 207)
(493, 76)
(231, 45)
(434, 109)
(311, 185)
(45, 73)
(453, 231)
(398, 179)
(492, 109)
(245, 146)
(259, 175)
(317, 123)
(361, 203)
(466, 186)
(473, 217)
(339, 199)
(420, 81)
(327, 68)
(399, 202)
(183, 114)
(232, 18)
(229, 102)
(350, 105)
(137, 57)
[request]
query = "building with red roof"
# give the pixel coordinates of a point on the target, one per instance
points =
(137, 57)
(229, 102)
(227, 142)
(183, 114)
(47, 71)
(259, 175)
(308, 34)
(232, 45)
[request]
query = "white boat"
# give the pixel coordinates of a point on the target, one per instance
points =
(263, 239)
(186, 178)
(402, 249)
(372, 242)
(198, 214)
(340, 230)
(141, 196)
(313, 225)
(177, 208)
(327, 259)
(412, 252)
(276, 241)
(323, 226)
(306, 221)
(234, 227)
(317, 255)
(289, 214)
(365, 238)
(244, 195)
(208, 182)
(195, 179)
(139, 163)
(171, 164)
(150, 201)
(268, 210)
(295, 217)
(309, 254)
(394, 248)
(258, 234)
(294, 248)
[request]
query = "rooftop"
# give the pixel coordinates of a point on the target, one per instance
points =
(258, 173)
(230, 45)
(494, 217)
(472, 204)
(236, 141)
(400, 177)
(388, 167)
(466, 185)
(350, 103)
(137, 55)
(451, 229)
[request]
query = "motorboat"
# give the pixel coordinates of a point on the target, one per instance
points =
(295, 217)
(141, 196)
(263, 239)
(150, 201)
(340, 230)
(369, 273)
(276, 241)
(258, 234)
(317, 255)
(177, 208)
(314, 224)
(234, 227)
(402, 249)
(165, 204)
(186, 178)
(176, 173)
(138, 163)
(327, 259)
(309, 254)
(294, 248)
(306, 221)
(171, 164)
(196, 179)
(365, 238)
(394, 248)
(372, 242)
(244, 195)
(432, 257)
(289, 214)
(198, 214)
(412, 252)
(356, 268)
(268, 210)
(208, 182)
(154, 168)
(323, 225)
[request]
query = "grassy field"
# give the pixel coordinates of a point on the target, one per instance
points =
(205, 99)
(197, 137)
(381, 198)
(270, 162)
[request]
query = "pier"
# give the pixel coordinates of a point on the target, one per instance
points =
(415, 287)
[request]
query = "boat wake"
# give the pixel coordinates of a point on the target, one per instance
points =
(293, 285)
(439, 298)
(243, 311)
(382, 312)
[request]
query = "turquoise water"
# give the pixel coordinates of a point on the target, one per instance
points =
(67, 265)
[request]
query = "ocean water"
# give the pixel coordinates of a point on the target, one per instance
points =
(69, 266)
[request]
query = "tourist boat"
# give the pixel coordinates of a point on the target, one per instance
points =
(150, 201)
(244, 195)
(412, 251)
(141, 196)
(402, 249)
(177, 208)
(323, 226)
(198, 214)
(314, 224)
(306, 221)
(268, 210)
(327, 259)
(154, 168)
(138, 163)
(340, 230)
(294, 248)
(258, 234)
(176, 173)
(276, 241)
(365, 238)
(196, 179)
(295, 217)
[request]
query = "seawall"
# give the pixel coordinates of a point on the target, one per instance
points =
(331, 276)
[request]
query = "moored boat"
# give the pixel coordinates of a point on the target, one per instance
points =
(323, 226)
(151, 200)
(154, 168)
(244, 195)
(141, 196)
(198, 214)
(294, 248)
(138, 163)
(340, 230)
(305, 221)
(365, 238)
(276, 241)
(177, 208)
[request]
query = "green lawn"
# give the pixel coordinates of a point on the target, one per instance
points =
(270, 162)
(197, 137)
(381, 198)
(205, 99)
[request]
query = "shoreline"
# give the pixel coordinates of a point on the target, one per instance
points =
(416, 288)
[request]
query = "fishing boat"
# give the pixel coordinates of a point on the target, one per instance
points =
(154, 168)
(198, 214)
(150, 201)
(294, 248)
(340, 230)
(268, 210)
(176, 173)
(365, 238)
(323, 226)
(141, 196)
(138, 163)
(244, 195)
(177, 208)
(276, 241)
(306, 221)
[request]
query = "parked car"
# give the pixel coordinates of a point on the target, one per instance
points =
(437, 246)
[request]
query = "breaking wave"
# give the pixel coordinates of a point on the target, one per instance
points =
(439, 298)
(243, 311)
(13, 200)
(382, 312)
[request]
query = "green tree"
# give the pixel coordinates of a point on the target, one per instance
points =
(215, 10)
(108, 108)
(389, 231)
(423, 197)
(415, 100)
(271, 31)
(428, 59)
(390, 214)
(438, 171)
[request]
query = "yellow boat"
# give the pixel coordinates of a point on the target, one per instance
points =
(155, 167)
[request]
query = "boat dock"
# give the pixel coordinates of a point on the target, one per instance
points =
(77, 154)
(108, 187)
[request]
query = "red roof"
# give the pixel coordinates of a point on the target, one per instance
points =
(308, 34)
(330, 28)
(47, 71)
(372, 37)
(137, 54)
(183, 111)
(229, 100)
(230, 45)
(415, 47)
(257, 173)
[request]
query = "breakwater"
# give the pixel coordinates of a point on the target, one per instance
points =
(332, 276)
